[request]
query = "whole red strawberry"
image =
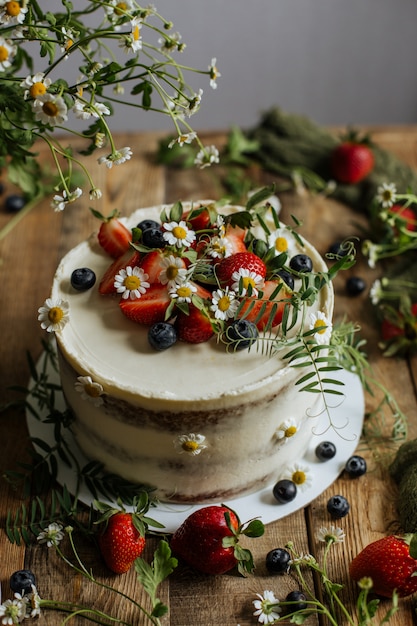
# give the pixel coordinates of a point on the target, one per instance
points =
(113, 236)
(122, 540)
(391, 564)
(352, 160)
(208, 540)
(239, 261)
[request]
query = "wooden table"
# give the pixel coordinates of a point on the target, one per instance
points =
(29, 256)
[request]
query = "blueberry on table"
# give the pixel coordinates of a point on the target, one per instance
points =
(22, 581)
(355, 285)
(153, 238)
(162, 336)
(338, 507)
(298, 598)
(325, 451)
(278, 561)
(355, 466)
(145, 224)
(14, 203)
(284, 490)
(83, 278)
(301, 263)
(241, 334)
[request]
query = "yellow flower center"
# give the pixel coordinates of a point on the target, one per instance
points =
(320, 326)
(37, 89)
(290, 431)
(281, 244)
(50, 109)
(55, 314)
(223, 303)
(299, 477)
(172, 272)
(246, 281)
(120, 8)
(92, 390)
(190, 446)
(12, 8)
(219, 248)
(184, 292)
(4, 54)
(131, 282)
(179, 232)
(136, 33)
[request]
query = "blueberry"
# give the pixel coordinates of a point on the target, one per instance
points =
(162, 336)
(338, 506)
(278, 561)
(153, 238)
(14, 203)
(83, 278)
(241, 334)
(325, 451)
(284, 490)
(301, 263)
(287, 278)
(22, 581)
(298, 598)
(355, 285)
(356, 466)
(145, 224)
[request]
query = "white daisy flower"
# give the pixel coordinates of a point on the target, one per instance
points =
(224, 304)
(178, 234)
(246, 281)
(53, 315)
(13, 611)
(194, 103)
(35, 86)
(300, 474)
(116, 158)
(34, 601)
(174, 271)
(287, 429)
(170, 42)
(131, 282)
(386, 195)
(68, 39)
(132, 42)
(12, 13)
(51, 535)
(376, 292)
(50, 109)
(220, 248)
(60, 202)
(331, 534)
(89, 390)
(282, 240)
(83, 110)
(183, 138)
(267, 608)
(206, 157)
(7, 53)
(322, 326)
(214, 73)
(370, 250)
(116, 9)
(183, 292)
(191, 444)
(95, 193)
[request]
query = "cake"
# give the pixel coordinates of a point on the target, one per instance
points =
(201, 421)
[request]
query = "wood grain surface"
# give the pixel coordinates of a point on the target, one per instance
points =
(29, 256)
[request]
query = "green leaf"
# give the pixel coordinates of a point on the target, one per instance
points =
(255, 528)
(151, 576)
(260, 196)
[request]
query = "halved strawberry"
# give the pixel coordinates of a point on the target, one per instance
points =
(149, 308)
(106, 286)
(113, 236)
(152, 264)
(241, 260)
(236, 238)
(198, 218)
(194, 327)
(262, 308)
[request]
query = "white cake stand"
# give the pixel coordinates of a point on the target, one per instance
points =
(347, 417)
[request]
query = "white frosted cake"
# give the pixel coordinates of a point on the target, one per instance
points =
(201, 421)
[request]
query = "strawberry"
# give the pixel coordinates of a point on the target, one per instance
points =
(408, 217)
(122, 535)
(152, 265)
(259, 310)
(149, 308)
(352, 160)
(198, 218)
(131, 257)
(391, 564)
(399, 329)
(194, 327)
(113, 236)
(235, 262)
(208, 540)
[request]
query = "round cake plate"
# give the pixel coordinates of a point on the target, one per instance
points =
(346, 412)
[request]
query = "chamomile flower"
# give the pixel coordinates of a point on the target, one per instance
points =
(116, 9)
(52, 535)
(170, 42)
(131, 282)
(206, 157)
(95, 193)
(191, 444)
(214, 73)
(178, 234)
(173, 272)
(182, 139)
(89, 390)
(183, 292)
(194, 103)
(34, 603)
(53, 315)
(12, 13)
(386, 195)
(376, 292)
(224, 304)
(84, 110)
(322, 327)
(13, 611)
(50, 109)
(300, 475)
(7, 53)
(219, 248)
(133, 41)
(332, 534)
(282, 240)
(247, 282)
(370, 250)
(68, 37)
(267, 608)
(286, 430)
(35, 86)
(60, 202)
(116, 158)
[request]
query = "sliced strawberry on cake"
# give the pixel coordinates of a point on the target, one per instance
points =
(130, 258)
(161, 268)
(149, 308)
(267, 310)
(194, 327)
